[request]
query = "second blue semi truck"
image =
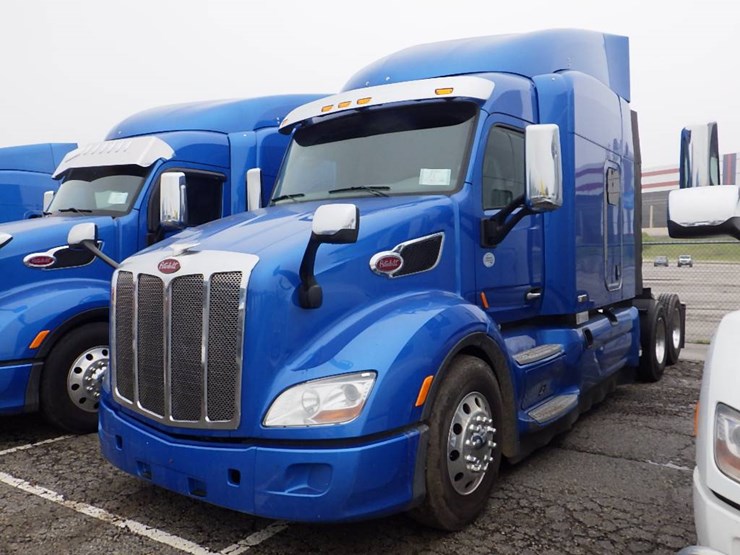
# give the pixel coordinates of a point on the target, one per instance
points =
(54, 300)
(448, 274)
(25, 175)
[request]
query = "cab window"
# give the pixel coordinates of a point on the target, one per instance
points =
(503, 167)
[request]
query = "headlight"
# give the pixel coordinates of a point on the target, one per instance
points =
(727, 441)
(334, 400)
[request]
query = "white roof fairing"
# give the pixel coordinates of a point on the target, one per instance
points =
(423, 89)
(139, 151)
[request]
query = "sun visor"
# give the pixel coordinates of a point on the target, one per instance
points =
(138, 151)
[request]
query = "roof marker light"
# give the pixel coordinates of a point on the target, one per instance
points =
(327, 108)
(365, 100)
(344, 104)
(447, 90)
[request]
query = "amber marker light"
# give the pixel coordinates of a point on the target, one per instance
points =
(365, 100)
(344, 104)
(39, 339)
(447, 90)
(484, 300)
(424, 391)
(327, 108)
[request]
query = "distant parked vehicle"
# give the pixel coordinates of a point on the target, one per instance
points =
(685, 260)
(660, 261)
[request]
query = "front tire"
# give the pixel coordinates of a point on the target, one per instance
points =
(463, 455)
(72, 376)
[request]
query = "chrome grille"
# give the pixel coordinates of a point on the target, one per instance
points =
(124, 334)
(150, 343)
(223, 327)
(177, 348)
(186, 345)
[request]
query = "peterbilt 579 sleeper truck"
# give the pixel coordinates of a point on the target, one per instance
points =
(25, 175)
(448, 273)
(54, 300)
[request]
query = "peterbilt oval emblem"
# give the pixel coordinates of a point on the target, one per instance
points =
(386, 263)
(168, 266)
(39, 260)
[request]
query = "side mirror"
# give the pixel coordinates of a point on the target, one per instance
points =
(704, 211)
(86, 236)
(332, 223)
(254, 188)
(699, 156)
(48, 197)
(544, 168)
(173, 201)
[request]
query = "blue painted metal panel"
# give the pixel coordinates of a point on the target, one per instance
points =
(13, 382)
(603, 56)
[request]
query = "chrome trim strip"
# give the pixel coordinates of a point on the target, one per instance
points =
(206, 317)
(167, 350)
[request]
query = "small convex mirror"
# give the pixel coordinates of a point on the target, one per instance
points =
(544, 171)
(173, 203)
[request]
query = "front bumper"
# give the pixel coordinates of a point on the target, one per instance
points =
(300, 483)
(717, 523)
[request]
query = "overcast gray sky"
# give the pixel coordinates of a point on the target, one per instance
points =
(72, 68)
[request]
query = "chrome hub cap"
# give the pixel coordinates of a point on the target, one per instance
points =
(470, 443)
(85, 377)
(660, 344)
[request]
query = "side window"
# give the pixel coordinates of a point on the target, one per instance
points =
(613, 187)
(204, 198)
(205, 194)
(503, 167)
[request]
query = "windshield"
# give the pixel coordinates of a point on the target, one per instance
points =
(418, 149)
(108, 190)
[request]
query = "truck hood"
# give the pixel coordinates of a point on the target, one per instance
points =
(46, 235)
(278, 235)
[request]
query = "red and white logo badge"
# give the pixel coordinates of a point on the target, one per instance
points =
(386, 263)
(168, 266)
(40, 260)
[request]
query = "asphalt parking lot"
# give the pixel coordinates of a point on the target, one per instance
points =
(618, 482)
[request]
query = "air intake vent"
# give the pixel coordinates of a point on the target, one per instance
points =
(420, 255)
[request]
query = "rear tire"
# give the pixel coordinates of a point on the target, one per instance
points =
(675, 330)
(653, 340)
(71, 379)
(463, 456)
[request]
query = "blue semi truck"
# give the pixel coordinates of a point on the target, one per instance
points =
(54, 300)
(448, 274)
(25, 175)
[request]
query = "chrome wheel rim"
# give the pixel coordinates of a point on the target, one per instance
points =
(660, 343)
(676, 329)
(470, 443)
(85, 377)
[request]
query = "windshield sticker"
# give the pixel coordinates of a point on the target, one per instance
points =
(117, 197)
(435, 177)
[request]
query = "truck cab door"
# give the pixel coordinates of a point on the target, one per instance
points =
(509, 276)
(205, 201)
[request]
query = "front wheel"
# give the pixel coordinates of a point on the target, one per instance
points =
(72, 376)
(463, 455)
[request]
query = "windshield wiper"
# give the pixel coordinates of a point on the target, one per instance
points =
(376, 190)
(75, 210)
(292, 197)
